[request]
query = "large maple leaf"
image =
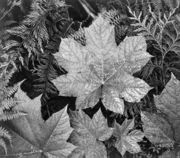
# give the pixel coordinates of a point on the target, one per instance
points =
(101, 69)
(34, 138)
(127, 140)
(88, 135)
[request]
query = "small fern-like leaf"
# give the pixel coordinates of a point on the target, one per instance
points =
(10, 115)
(33, 31)
(5, 134)
(7, 104)
(7, 64)
(79, 36)
(171, 39)
(46, 71)
(10, 44)
(117, 19)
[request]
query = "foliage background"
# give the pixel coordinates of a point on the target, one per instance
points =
(34, 72)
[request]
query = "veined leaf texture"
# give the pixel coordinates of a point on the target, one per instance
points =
(32, 137)
(168, 103)
(127, 140)
(89, 79)
(89, 135)
(101, 69)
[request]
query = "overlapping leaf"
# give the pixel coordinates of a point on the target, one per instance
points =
(163, 128)
(32, 137)
(101, 69)
(157, 129)
(127, 140)
(88, 135)
(169, 104)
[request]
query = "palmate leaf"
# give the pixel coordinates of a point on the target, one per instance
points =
(126, 140)
(88, 135)
(33, 137)
(101, 69)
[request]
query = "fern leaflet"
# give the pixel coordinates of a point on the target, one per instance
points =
(148, 28)
(7, 103)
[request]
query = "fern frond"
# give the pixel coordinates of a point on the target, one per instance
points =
(153, 26)
(7, 104)
(10, 115)
(12, 90)
(7, 101)
(171, 39)
(3, 144)
(79, 36)
(33, 30)
(18, 31)
(10, 44)
(5, 134)
(46, 68)
(147, 27)
(117, 19)
(46, 71)
(8, 59)
(112, 16)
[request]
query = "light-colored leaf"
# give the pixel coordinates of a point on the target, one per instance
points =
(126, 140)
(33, 137)
(88, 135)
(101, 69)
(134, 50)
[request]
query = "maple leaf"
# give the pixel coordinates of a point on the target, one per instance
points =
(101, 69)
(168, 103)
(32, 137)
(88, 135)
(126, 140)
